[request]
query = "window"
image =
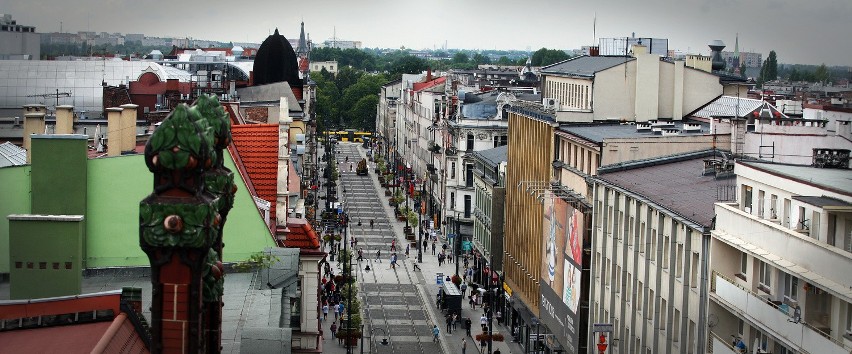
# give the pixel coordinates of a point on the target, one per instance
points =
(760, 203)
(467, 206)
(651, 300)
(652, 253)
(747, 202)
(640, 289)
(743, 265)
(765, 273)
(693, 281)
(791, 287)
(452, 200)
(773, 207)
(676, 326)
(468, 175)
(664, 310)
(666, 250)
(679, 260)
(470, 142)
(814, 224)
(642, 237)
(740, 327)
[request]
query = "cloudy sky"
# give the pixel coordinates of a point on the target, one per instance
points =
(809, 32)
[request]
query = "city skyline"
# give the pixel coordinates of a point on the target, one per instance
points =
(476, 26)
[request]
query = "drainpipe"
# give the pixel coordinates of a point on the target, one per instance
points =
(702, 292)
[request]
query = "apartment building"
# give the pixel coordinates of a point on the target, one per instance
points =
(650, 248)
(781, 256)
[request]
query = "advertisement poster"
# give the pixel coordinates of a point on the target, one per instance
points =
(561, 269)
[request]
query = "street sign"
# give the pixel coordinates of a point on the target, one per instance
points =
(451, 235)
(602, 327)
(467, 246)
(440, 279)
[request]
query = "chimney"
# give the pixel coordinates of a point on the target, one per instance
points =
(428, 74)
(282, 191)
(114, 131)
(128, 127)
(64, 119)
(594, 51)
(716, 47)
(33, 124)
(639, 49)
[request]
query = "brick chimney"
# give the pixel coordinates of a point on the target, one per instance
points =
(114, 131)
(64, 119)
(33, 124)
(128, 127)
(282, 190)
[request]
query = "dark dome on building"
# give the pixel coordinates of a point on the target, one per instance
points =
(275, 61)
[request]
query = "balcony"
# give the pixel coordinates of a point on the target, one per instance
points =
(810, 259)
(751, 307)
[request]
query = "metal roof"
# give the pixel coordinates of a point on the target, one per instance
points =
(12, 155)
(822, 201)
(585, 65)
(494, 156)
(729, 106)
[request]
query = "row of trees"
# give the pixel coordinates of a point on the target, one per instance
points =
(797, 72)
(348, 100)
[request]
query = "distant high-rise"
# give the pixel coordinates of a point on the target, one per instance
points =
(18, 41)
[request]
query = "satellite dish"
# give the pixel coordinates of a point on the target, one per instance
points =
(712, 320)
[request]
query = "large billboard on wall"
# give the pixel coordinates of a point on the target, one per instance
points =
(561, 271)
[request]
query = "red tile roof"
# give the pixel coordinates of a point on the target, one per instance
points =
(257, 147)
(301, 235)
(424, 85)
(80, 338)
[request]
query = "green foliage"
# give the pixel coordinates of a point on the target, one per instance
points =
(769, 70)
(821, 75)
(348, 101)
(406, 65)
(544, 57)
(259, 260)
(504, 60)
(460, 58)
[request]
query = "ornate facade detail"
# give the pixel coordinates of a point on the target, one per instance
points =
(181, 226)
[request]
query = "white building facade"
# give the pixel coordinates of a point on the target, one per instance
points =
(781, 257)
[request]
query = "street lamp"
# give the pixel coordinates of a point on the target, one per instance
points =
(420, 219)
(385, 339)
(456, 242)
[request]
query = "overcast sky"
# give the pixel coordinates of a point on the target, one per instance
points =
(808, 32)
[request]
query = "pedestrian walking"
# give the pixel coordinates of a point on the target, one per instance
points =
(393, 261)
(371, 223)
(455, 321)
(464, 345)
(467, 324)
(463, 288)
(393, 245)
(324, 311)
(499, 317)
(425, 244)
(483, 321)
(435, 333)
(433, 247)
(379, 256)
(407, 249)
(333, 329)
(449, 320)
(360, 254)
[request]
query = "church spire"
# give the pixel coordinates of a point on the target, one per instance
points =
(303, 45)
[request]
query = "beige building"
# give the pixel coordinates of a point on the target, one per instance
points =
(637, 88)
(781, 256)
(330, 66)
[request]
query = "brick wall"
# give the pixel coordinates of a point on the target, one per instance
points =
(257, 113)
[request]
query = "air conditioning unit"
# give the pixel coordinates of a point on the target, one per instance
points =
(551, 103)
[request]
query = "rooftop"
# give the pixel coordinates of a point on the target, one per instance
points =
(585, 66)
(12, 155)
(494, 156)
(677, 186)
(257, 147)
(598, 132)
(301, 235)
(837, 180)
(730, 106)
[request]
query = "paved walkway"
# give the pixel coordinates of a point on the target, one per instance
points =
(401, 301)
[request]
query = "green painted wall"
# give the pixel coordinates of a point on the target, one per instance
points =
(59, 174)
(117, 184)
(46, 258)
(14, 199)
